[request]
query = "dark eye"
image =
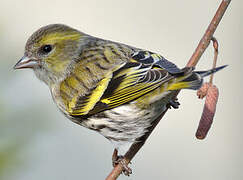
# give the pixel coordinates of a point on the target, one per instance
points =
(46, 48)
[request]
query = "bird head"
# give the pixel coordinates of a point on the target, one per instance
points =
(51, 50)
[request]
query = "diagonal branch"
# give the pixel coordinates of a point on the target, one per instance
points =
(203, 44)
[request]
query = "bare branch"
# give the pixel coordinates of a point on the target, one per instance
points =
(203, 44)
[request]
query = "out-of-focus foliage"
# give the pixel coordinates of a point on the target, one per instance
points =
(9, 147)
(17, 127)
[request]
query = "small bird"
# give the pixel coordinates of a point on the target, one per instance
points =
(112, 88)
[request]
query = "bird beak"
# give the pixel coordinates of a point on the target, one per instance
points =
(26, 62)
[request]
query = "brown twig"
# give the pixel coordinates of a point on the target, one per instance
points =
(216, 52)
(202, 92)
(203, 44)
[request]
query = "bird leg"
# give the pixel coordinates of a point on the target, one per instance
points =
(120, 160)
(173, 103)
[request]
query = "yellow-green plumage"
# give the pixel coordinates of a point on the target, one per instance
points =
(115, 89)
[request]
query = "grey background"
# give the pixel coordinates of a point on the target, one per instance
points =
(38, 142)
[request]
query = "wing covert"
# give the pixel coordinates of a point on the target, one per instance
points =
(148, 57)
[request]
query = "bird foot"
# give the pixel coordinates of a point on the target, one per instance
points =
(121, 160)
(173, 103)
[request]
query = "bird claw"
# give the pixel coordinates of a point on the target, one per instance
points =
(121, 160)
(173, 103)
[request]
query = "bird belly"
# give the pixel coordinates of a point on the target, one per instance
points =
(125, 124)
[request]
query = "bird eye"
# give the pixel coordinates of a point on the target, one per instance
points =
(46, 48)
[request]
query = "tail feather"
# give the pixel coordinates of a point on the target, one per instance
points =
(211, 71)
(195, 80)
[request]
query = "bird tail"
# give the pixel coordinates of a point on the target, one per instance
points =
(195, 80)
(211, 71)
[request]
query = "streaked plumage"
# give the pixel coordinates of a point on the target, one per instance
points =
(112, 88)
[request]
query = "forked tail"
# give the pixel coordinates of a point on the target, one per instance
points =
(195, 80)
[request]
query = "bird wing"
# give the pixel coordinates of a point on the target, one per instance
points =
(131, 82)
(144, 72)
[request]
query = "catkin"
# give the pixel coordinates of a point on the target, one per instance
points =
(208, 112)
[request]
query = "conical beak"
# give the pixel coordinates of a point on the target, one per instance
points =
(26, 62)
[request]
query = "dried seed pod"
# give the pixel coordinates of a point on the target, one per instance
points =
(208, 112)
(202, 92)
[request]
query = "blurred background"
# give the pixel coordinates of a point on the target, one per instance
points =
(38, 142)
